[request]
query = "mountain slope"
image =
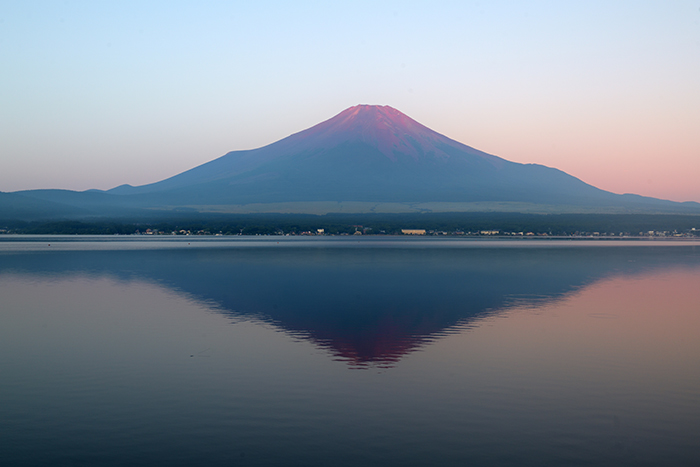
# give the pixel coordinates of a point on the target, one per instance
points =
(367, 155)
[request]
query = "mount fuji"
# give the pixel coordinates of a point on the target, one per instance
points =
(367, 158)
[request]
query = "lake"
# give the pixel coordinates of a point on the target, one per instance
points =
(373, 351)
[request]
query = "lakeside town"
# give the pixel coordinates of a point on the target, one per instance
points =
(692, 233)
(360, 230)
(486, 225)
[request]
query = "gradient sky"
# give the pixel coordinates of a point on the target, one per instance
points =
(97, 94)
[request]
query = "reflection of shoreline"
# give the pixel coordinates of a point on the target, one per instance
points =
(366, 306)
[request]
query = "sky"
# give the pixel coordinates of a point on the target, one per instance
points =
(96, 94)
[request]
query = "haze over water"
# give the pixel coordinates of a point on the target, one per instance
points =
(347, 352)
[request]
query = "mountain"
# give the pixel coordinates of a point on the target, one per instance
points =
(369, 154)
(365, 159)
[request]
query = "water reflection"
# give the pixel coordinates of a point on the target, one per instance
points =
(575, 355)
(367, 306)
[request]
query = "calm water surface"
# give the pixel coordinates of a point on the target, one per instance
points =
(329, 351)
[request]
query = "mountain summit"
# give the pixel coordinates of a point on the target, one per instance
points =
(368, 158)
(391, 132)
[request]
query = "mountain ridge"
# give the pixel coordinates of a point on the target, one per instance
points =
(366, 155)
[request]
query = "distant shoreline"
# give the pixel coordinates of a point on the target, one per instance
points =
(470, 225)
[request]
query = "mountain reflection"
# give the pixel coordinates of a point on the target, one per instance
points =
(368, 306)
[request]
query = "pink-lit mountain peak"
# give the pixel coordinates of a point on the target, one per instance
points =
(373, 117)
(382, 127)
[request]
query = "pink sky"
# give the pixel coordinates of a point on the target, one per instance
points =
(621, 152)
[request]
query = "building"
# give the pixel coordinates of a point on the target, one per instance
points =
(413, 231)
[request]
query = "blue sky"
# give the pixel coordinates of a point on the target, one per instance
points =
(96, 94)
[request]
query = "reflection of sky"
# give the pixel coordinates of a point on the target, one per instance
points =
(620, 332)
(106, 353)
(96, 95)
